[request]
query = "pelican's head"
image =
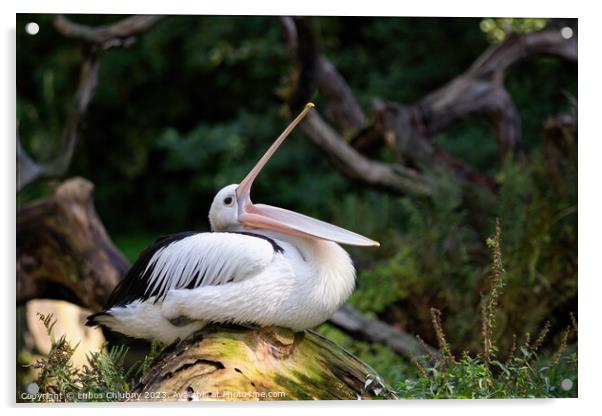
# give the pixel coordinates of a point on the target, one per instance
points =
(223, 214)
(232, 209)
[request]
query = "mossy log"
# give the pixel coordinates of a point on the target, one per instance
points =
(235, 363)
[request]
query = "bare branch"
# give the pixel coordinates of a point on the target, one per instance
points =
(396, 123)
(85, 93)
(395, 178)
(480, 89)
(28, 170)
(118, 34)
(465, 96)
(105, 35)
(408, 130)
(500, 57)
(341, 107)
(353, 322)
(344, 111)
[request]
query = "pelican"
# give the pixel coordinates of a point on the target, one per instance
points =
(259, 265)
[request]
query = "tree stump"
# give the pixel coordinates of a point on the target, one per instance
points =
(64, 251)
(236, 363)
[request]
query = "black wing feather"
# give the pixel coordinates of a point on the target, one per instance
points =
(135, 284)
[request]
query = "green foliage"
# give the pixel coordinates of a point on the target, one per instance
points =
(513, 371)
(439, 259)
(155, 349)
(133, 244)
(57, 374)
(499, 29)
(105, 372)
(104, 378)
(523, 374)
(472, 378)
(387, 364)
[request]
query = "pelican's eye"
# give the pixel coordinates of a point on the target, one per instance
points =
(228, 200)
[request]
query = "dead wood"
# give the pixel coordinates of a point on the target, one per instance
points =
(234, 363)
(63, 250)
(408, 129)
(98, 39)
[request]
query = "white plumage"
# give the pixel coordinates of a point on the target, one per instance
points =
(246, 281)
(218, 257)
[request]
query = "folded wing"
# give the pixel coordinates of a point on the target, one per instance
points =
(190, 260)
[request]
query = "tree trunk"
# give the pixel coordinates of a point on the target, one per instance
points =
(235, 363)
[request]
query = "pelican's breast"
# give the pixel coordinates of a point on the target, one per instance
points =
(324, 278)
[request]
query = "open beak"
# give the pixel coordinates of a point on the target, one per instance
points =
(285, 221)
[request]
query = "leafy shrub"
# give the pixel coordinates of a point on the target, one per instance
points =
(523, 374)
(98, 380)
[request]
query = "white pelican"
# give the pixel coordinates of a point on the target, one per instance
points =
(260, 265)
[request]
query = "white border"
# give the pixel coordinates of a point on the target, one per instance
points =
(513, 8)
(589, 183)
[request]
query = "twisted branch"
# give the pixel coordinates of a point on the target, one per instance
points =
(356, 324)
(108, 35)
(408, 130)
(480, 90)
(29, 170)
(120, 34)
(342, 109)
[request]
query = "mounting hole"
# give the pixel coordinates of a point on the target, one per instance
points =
(32, 28)
(566, 32)
(566, 384)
